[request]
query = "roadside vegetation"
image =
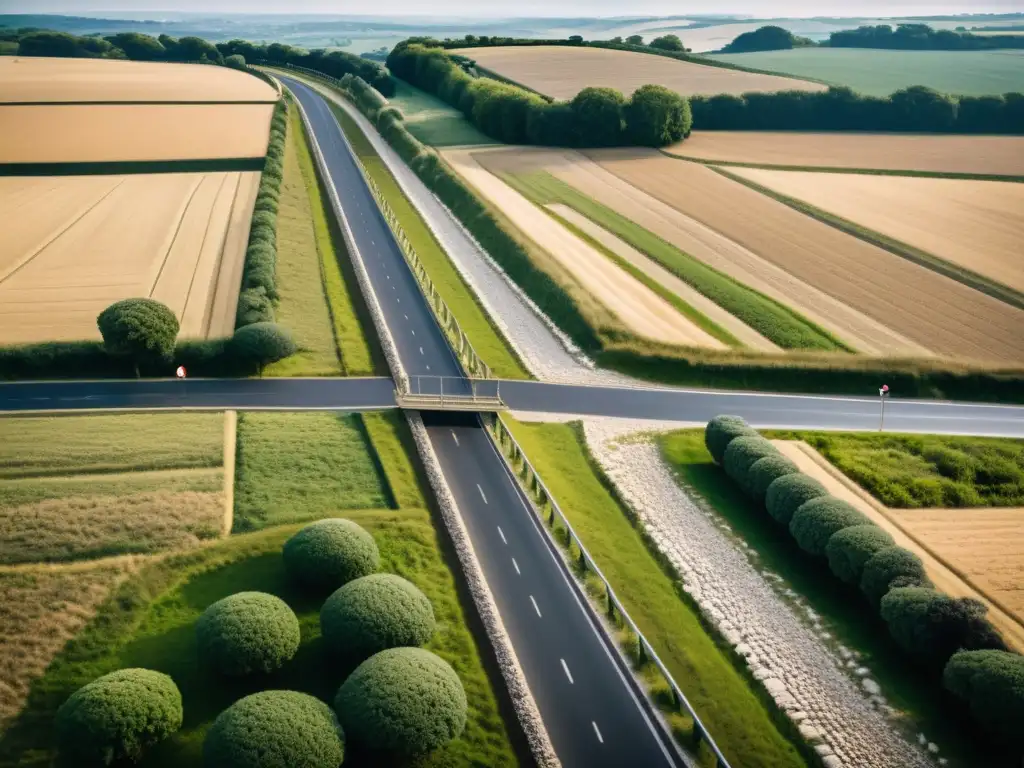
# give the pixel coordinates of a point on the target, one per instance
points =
(737, 719)
(432, 121)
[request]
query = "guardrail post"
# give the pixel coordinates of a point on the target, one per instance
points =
(611, 600)
(641, 653)
(698, 736)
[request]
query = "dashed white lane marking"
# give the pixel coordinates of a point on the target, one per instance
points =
(481, 493)
(428, 367)
(421, 350)
(414, 333)
(567, 672)
(516, 566)
(455, 437)
(405, 316)
(502, 534)
(398, 300)
(597, 730)
(535, 607)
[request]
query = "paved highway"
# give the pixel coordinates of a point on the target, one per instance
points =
(588, 699)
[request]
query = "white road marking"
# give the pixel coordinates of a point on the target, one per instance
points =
(567, 672)
(428, 367)
(398, 300)
(421, 350)
(535, 606)
(516, 566)
(502, 534)
(481, 492)
(414, 333)
(405, 316)
(597, 731)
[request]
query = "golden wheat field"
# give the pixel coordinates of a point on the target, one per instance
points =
(978, 225)
(33, 80)
(937, 312)
(76, 244)
(996, 155)
(562, 72)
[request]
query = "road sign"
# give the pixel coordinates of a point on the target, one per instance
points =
(884, 390)
(180, 373)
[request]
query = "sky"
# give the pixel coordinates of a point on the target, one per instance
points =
(590, 8)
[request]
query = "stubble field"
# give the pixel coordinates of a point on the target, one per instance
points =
(76, 244)
(562, 72)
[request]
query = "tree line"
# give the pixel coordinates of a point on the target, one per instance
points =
(920, 37)
(595, 117)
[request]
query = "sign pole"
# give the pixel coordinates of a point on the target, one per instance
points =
(883, 393)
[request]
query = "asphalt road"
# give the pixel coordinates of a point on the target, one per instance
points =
(587, 697)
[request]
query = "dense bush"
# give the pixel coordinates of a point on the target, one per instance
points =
(141, 330)
(849, 549)
(787, 494)
(403, 700)
(816, 520)
(247, 632)
(334, 64)
(275, 729)
(374, 613)
(919, 37)
(259, 344)
(992, 685)
(931, 626)
(330, 553)
(668, 43)
(656, 116)
(598, 114)
(764, 472)
(721, 430)
(117, 717)
(890, 568)
(741, 454)
(767, 38)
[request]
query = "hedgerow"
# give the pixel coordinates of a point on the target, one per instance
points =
(849, 549)
(764, 472)
(403, 700)
(786, 495)
(275, 729)
(247, 632)
(330, 553)
(890, 568)
(721, 430)
(991, 683)
(374, 613)
(815, 522)
(117, 717)
(741, 454)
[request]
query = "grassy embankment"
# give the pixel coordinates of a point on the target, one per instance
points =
(772, 320)
(737, 719)
(917, 694)
(319, 296)
(432, 121)
(483, 335)
(150, 620)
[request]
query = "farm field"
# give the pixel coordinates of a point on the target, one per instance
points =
(996, 155)
(77, 487)
(704, 244)
(934, 311)
(40, 80)
(432, 121)
(78, 244)
(880, 72)
(562, 72)
(640, 309)
(977, 225)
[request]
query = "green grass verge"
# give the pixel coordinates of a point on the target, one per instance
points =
(29, 490)
(302, 466)
(302, 307)
(915, 693)
(393, 444)
(911, 471)
(737, 719)
(432, 121)
(924, 259)
(772, 320)
(150, 622)
(483, 335)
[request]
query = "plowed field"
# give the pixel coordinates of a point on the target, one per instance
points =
(562, 72)
(75, 244)
(934, 311)
(978, 225)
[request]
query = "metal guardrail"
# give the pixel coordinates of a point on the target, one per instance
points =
(542, 498)
(451, 393)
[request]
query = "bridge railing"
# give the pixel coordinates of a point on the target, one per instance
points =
(552, 517)
(471, 362)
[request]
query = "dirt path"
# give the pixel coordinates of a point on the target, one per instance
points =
(944, 573)
(636, 305)
(698, 301)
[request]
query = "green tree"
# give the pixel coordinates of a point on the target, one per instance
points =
(656, 116)
(635, 40)
(137, 46)
(235, 61)
(598, 113)
(143, 330)
(260, 344)
(769, 38)
(668, 43)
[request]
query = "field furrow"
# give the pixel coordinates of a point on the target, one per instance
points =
(932, 310)
(221, 318)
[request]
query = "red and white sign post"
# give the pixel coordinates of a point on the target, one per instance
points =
(180, 373)
(883, 393)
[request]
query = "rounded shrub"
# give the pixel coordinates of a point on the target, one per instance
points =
(992, 684)
(330, 553)
(721, 430)
(788, 493)
(741, 454)
(850, 548)
(247, 632)
(888, 568)
(275, 729)
(764, 472)
(374, 613)
(816, 520)
(403, 700)
(117, 717)
(259, 344)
